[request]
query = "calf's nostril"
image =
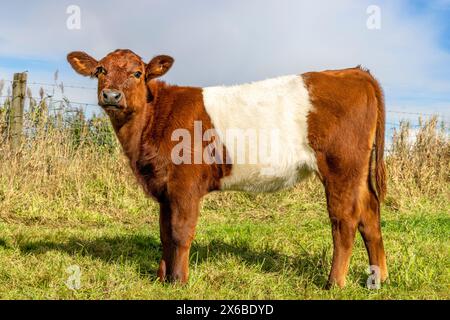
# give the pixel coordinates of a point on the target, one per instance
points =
(118, 95)
(105, 96)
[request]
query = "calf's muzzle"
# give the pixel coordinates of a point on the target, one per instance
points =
(109, 97)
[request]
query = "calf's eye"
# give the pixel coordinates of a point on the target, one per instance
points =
(137, 74)
(99, 71)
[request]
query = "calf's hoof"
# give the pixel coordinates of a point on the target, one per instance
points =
(167, 276)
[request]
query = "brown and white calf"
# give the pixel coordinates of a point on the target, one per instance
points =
(330, 123)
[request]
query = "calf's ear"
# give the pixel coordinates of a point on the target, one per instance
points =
(158, 66)
(82, 63)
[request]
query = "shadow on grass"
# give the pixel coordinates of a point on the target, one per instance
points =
(145, 252)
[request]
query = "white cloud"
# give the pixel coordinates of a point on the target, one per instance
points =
(235, 41)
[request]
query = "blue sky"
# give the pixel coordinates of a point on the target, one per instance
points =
(440, 11)
(235, 41)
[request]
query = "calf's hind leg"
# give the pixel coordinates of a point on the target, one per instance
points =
(370, 229)
(343, 211)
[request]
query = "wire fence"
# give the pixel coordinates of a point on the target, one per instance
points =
(87, 122)
(46, 115)
(61, 84)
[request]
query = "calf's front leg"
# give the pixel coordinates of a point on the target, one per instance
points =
(178, 219)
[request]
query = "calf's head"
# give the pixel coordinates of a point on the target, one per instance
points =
(122, 78)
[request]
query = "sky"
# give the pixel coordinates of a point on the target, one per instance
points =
(237, 41)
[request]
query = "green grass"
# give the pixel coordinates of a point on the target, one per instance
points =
(68, 198)
(273, 246)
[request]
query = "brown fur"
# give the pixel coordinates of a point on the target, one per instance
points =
(178, 188)
(144, 125)
(348, 117)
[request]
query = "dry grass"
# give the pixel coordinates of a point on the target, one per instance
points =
(56, 162)
(66, 198)
(419, 164)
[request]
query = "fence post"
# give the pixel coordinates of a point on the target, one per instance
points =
(16, 112)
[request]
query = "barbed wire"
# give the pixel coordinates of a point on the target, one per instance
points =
(56, 101)
(93, 88)
(63, 113)
(96, 105)
(67, 106)
(46, 84)
(415, 113)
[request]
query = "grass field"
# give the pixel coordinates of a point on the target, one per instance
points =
(61, 206)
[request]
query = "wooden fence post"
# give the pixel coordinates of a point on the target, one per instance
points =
(16, 112)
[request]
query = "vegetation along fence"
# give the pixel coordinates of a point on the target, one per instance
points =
(25, 118)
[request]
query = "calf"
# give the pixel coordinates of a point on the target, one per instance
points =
(330, 123)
